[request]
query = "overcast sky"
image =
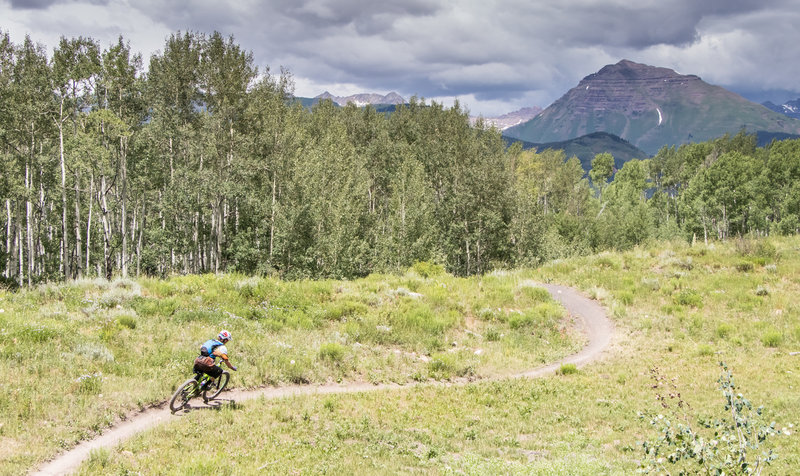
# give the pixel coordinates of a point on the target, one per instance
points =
(494, 56)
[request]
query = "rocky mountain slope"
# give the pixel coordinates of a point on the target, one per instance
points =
(650, 107)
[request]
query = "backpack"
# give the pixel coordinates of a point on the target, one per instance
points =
(207, 349)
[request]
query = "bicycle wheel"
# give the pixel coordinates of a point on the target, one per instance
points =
(216, 386)
(183, 394)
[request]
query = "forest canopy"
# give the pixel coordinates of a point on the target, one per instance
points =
(203, 163)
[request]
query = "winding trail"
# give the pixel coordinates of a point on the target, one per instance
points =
(592, 317)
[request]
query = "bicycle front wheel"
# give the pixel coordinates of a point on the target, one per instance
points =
(216, 386)
(183, 394)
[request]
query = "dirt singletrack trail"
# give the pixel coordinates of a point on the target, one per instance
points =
(589, 314)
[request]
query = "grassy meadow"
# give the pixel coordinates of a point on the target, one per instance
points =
(679, 310)
(77, 357)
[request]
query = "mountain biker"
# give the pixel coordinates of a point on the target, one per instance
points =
(209, 351)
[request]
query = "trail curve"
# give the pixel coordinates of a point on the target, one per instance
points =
(590, 315)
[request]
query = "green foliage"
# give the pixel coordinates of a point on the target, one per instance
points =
(724, 330)
(332, 351)
(727, 443)
(445, 365)
(90, 384)
(254, 183)
(688, 297)
(341, 310)
(127, 320)
(744, 266)
(567, 369)
(427, 269)
(772, 338)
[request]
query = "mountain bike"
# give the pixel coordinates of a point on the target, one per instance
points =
(201, 384)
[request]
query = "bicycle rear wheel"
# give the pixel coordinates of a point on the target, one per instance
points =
(216, 386)
(183, 394)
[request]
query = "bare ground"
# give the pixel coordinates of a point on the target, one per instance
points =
(588, 313)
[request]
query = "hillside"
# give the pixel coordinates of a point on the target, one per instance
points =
(678, 311)
(586, 147)
(650, 107)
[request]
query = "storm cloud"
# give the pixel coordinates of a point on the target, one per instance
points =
(494, 55)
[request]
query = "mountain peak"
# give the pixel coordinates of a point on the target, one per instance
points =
(628, 70)
(651, 107)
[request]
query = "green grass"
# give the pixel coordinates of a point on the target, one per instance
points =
(75, 358)
(678, 311)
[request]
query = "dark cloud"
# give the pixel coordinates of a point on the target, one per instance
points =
(44, 4)
(32, 4)
(501, 51)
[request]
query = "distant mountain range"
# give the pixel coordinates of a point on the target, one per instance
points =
(511, 119)
(791, 108)
(363, 99)
(650, 107)
(389, 102)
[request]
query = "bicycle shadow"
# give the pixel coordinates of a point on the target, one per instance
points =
(216, 404)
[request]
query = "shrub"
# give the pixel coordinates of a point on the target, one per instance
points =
(724, 330)
(492, 315)
(651, 283)
(448, 364)
(567, 369)
(535, 293)
(90, 384)
(772, 338)
(35, 334)
(519, 321)
(331, 351)
(126, 320)
(341, 310)
(762, 291)
(625, 297)
(427, 269)
(704, 350)
(688, 297)
(744, 266)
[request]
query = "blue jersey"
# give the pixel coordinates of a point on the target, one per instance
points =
(211, 345)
